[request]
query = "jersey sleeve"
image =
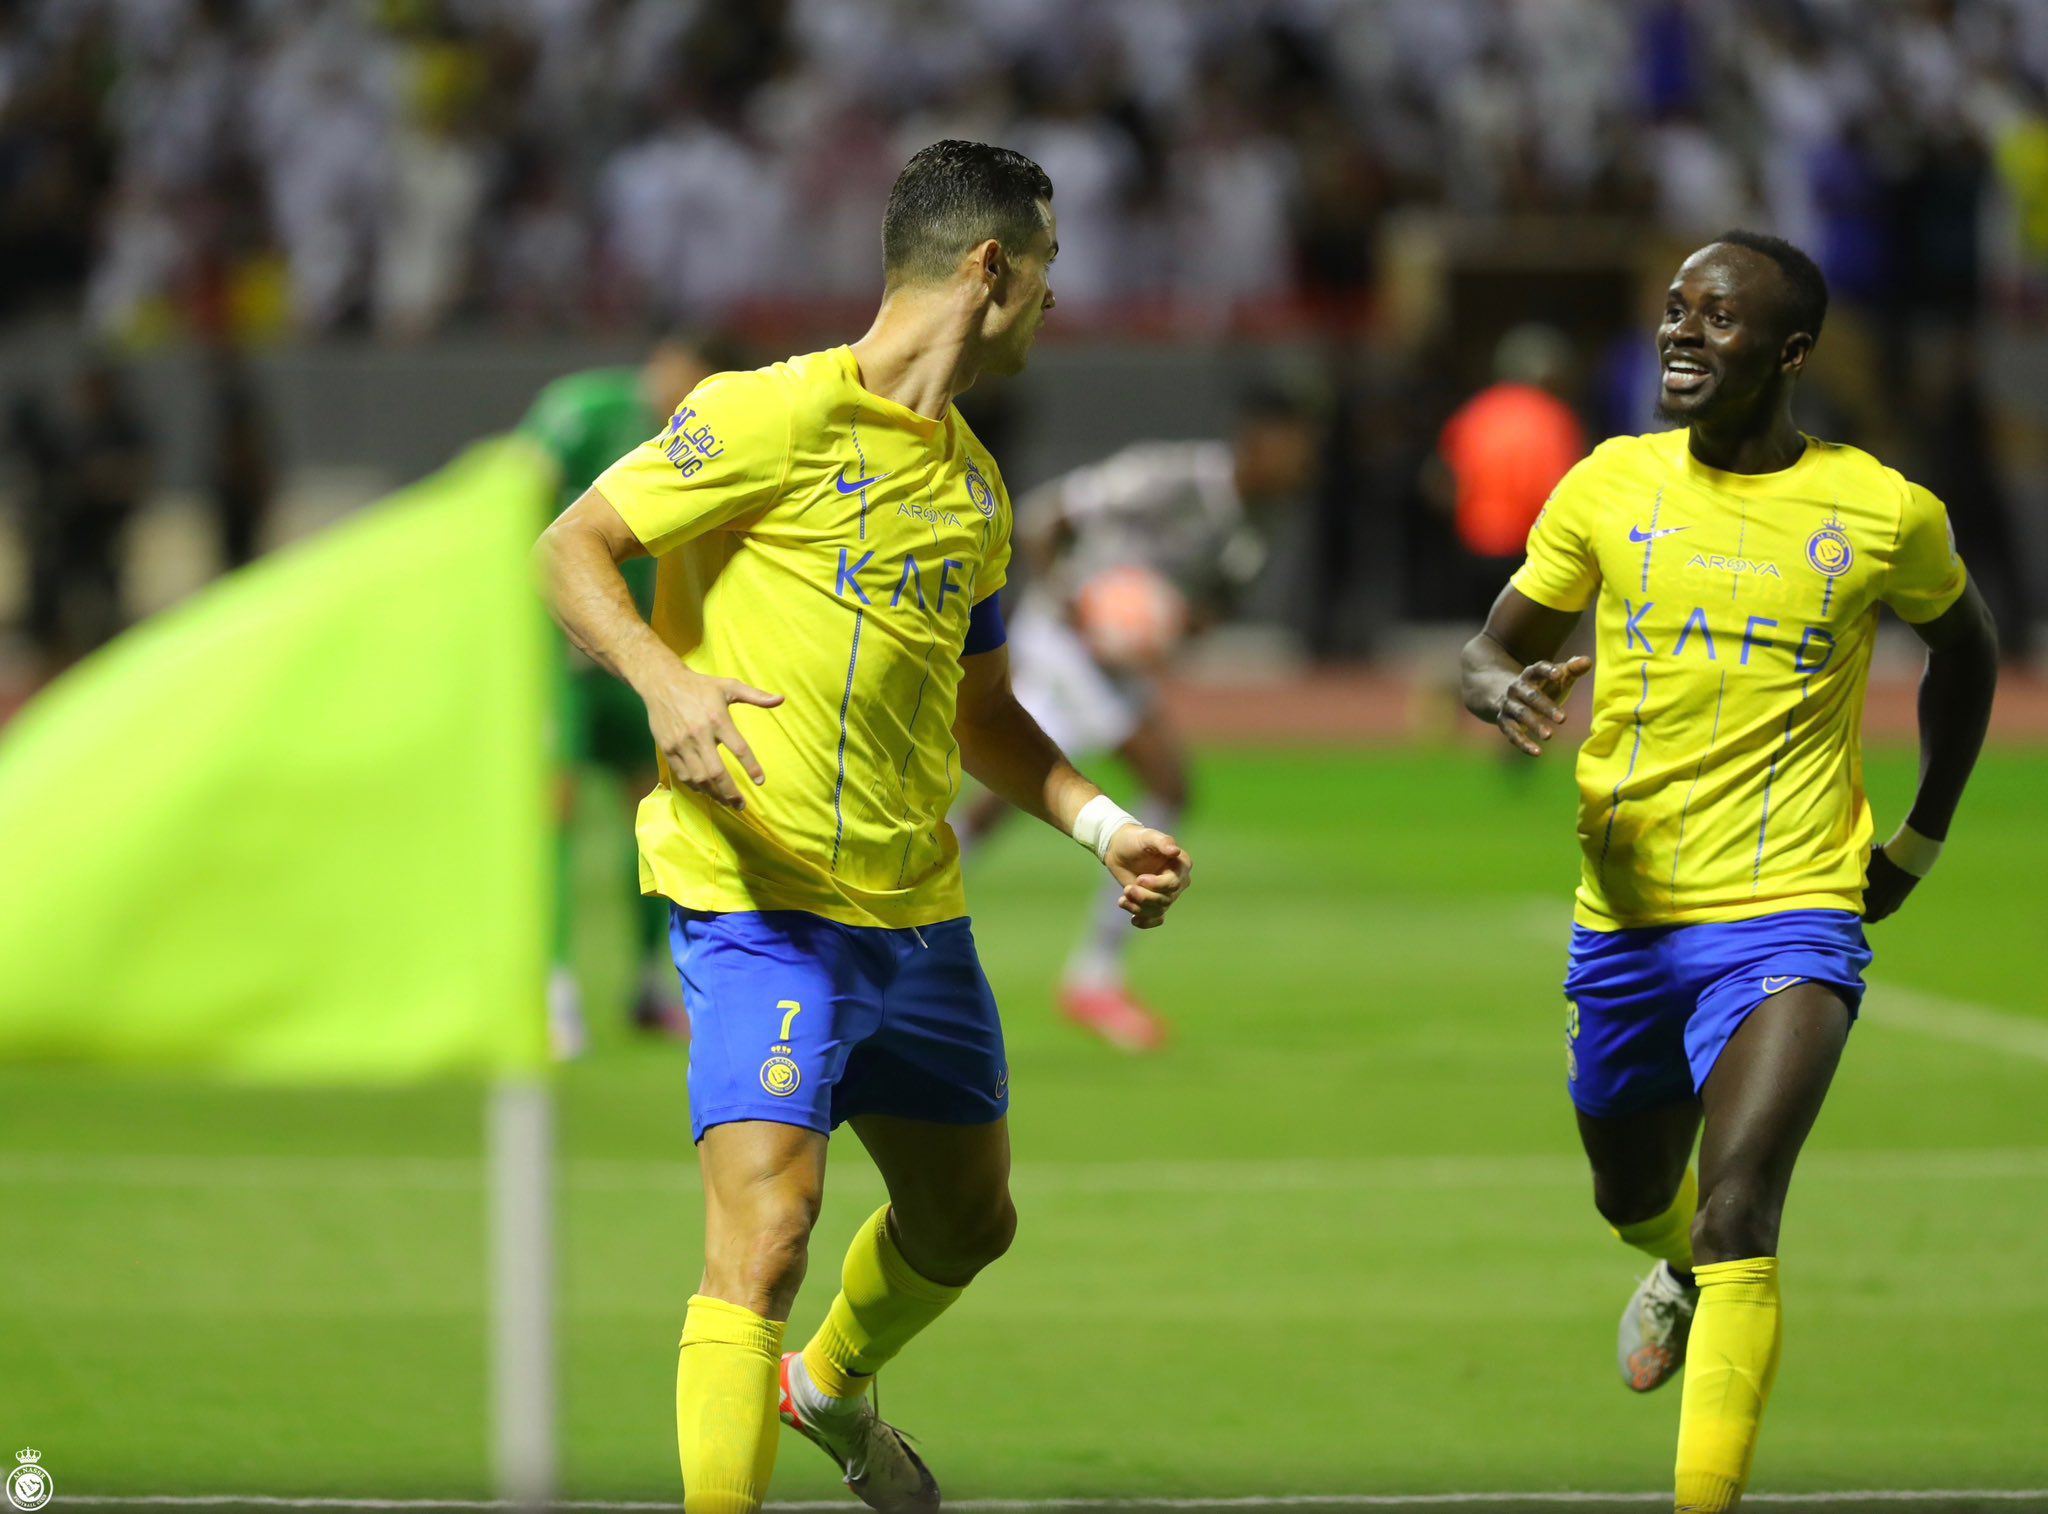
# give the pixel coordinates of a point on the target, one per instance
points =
(1561, 570)
(723, 454)
(1927, 575)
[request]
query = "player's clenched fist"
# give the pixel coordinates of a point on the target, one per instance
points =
(691, 719)
(1153, 870)
(1533, 706)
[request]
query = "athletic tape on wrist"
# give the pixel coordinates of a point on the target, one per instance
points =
(1100, 819)
(1913, 852)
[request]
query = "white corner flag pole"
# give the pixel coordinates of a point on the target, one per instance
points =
(520, 1150)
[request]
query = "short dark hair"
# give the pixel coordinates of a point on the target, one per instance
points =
(1808, 286)
(955, 195)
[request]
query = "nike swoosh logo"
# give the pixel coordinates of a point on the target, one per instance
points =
(1773, 985)
(1638, 534)
(861, 483)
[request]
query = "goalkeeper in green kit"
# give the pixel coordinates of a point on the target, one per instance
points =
(586, 422)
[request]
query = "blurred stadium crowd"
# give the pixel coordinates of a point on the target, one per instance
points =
(1452, 218)
(405, 164)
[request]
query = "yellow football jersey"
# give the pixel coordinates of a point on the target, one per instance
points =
(822, 543)
(1722, 777)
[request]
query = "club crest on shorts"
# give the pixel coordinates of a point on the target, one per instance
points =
(979, 494)
(29, 1485)
(1829, 551)
(781, 1077)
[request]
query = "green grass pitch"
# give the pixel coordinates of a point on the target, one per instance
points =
(1336, 1240)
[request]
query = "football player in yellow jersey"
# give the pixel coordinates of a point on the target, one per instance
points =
(1734, 567)
(826, 656)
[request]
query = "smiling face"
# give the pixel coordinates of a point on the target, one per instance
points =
(1728, 343)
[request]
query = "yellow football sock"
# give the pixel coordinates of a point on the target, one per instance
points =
(1730, 1364)
(882, 1303)
(1669, 1235)
(727, 1386)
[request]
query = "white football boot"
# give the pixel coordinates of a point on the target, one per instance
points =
(873, 1456)
(1654, 1328)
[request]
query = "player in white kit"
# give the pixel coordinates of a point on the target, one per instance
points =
(1126, 558)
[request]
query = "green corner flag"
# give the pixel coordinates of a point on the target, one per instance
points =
(297, 828)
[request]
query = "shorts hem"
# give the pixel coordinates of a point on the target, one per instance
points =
(1852, 995)
(927, 1116)
(734, 1114)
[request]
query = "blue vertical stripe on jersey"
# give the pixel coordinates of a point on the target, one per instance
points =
(1741, 533)
(1634, 751)
(909, 751)
(1712, 736)
(1827, 592)
(845, 704)
(862, 457)
(1650, 546)
(1763, 826)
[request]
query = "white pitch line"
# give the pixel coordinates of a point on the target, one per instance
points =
(1023, 1505)
(1967, 1024)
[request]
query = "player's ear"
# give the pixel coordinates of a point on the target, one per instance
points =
(989, 263)
(1792, 359)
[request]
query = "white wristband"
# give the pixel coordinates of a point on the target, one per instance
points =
(1100, 819)
(1913, 852)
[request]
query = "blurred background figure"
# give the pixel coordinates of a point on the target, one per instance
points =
(86, 458)
(1124, 561)
(585, 422)
(241, 460)
(1503, 452)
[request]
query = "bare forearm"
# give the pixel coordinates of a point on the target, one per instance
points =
(1956, 694)
(589, 599)
(1003, 747)
(1486, 670)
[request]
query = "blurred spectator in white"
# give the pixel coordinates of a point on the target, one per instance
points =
(694, 215)
(322, 132)
(1234, 183)
(711, 153)
(436, 191)
(541, 258)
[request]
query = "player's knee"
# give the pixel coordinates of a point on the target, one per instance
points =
(1737, 1219)
(763, 1263)
(952, 1248)
(998, 1231)
(1630, 1201)
(983, 1232)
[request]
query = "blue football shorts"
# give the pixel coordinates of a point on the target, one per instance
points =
(802, 1021)
(1648, 1011)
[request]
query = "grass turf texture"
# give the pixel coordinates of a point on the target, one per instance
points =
(1336, 1240)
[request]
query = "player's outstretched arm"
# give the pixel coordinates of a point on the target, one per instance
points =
(1003, 747)
(688, 713)
(1956, 693)
(1508, 675)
